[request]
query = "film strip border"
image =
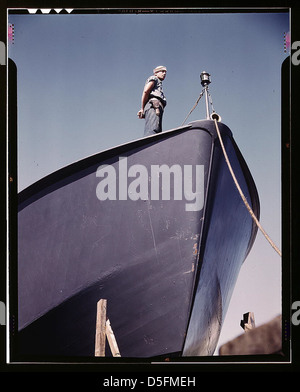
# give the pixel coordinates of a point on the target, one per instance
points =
(11, 33)
(106, 10)
(287, 42)
(50, 10)
(41, 11)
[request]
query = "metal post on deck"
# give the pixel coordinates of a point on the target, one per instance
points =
(205, 81)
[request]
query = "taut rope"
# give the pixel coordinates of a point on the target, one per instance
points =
(241, 192)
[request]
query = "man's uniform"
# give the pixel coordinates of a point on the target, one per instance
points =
(154, 108)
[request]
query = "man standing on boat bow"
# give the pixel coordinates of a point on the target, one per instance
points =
(153, 102)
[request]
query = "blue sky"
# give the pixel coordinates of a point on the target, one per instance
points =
(80, 79)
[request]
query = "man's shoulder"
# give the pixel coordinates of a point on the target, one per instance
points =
(152, 78)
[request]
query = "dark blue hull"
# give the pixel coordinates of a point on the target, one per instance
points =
(166, 267)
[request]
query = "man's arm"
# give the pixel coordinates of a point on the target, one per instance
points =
(145, 97)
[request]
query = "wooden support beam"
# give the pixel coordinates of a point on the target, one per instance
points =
(100, 328)
(112, 340)
(248, 322)
(103, 330)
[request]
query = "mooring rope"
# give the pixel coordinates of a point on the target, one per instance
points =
(241, 192)
(231, 170)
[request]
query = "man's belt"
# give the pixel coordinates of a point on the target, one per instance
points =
(159, 99)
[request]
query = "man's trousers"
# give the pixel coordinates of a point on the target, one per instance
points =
(153, 121)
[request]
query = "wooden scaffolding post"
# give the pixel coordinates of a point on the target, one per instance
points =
(103, 330)
(248, 322)
(100, 328)
(112, 340)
